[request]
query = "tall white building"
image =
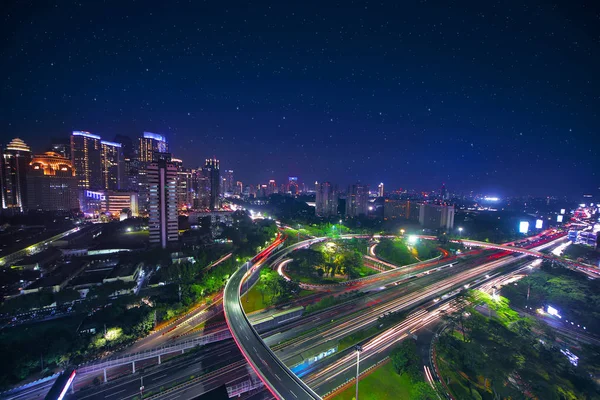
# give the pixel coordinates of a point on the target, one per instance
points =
(162, 187)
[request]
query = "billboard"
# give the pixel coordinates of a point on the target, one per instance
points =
(538, 224)
(559, 218)
(524, 227)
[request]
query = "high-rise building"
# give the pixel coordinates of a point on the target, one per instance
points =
(239, 188)
(228, 182)
(162, 183)
(185, 198)
(61, 146)
(380, 190)
(86, 158)
(434, 216)
(293, 185)
(118, 201)
(149, 144)
(326, 199)
(400, 209)
(129, 150)
(357, 199)
(113, 166)
(272, 188)
(212, 172)
(51, 183)
(15, 165)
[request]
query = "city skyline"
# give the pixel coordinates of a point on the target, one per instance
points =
(304, 100)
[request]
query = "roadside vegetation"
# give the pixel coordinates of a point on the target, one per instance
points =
(399, 252)
(490, 352)
(104, 323)
(329, 262)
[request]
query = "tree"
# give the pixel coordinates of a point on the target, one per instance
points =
(406, 360)
(423, 391)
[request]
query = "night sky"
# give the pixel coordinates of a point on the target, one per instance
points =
(495, 97)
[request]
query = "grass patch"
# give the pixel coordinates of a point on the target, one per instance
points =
(253, 300)
(384, 383)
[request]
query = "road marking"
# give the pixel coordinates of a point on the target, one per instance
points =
(277, 376)
(293, 394)
(112, 394)
(158, 377)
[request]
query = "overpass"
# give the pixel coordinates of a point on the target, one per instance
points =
(278, 378)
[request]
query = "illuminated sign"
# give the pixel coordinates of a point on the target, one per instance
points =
(524, 227)
(155, 136)
(562, 210)
(559, 218)
(538, 224)
(86, 134)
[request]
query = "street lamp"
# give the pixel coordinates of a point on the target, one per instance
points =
(402, 232)
(358, 349)
(460, 230)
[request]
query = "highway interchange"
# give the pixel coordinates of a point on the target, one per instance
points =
(422, 285)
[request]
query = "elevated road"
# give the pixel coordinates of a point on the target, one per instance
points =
(280, 381)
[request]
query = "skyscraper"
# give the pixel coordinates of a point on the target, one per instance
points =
(184, 185)
(434, 216)
(162, 183)
(380, 190)
(272, 188)
(15, 163)
(149, 144)
(357, 200)
(228, 182)
(86, 158)
(293, 185)
(51, 183)
(326, 199)
(113, 166)
(212, 172)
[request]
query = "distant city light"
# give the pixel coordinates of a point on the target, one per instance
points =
(412, 239)
(559, 218)
(562, 211)
(491, 198)
(524, 227)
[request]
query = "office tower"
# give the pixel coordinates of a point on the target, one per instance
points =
(380, 190)
(212, 172)
(326, 199)
(61, 146)
(443, 192)
(272, 187)
(434, 216)
(162, 184)
(51, 183)
(400, 209)
(15, 163)
(112, 166)
(293, 185)
(228, 182)
(86, 158)
(357, 200)
(149, 144)
(201, 188)
(129, 150)
(239, 188)
(184, 185)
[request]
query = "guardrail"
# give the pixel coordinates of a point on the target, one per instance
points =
(129, 358)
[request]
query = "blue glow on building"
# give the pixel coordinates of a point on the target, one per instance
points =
(155, 136)
(86, 134)
(106, 142)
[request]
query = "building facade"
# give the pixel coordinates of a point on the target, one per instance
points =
(51, 183)
(162, 183)
(212, 172)
(15, 165)
(357, 199)
(86, 159)
(326, 204)
(149, 144)
(435, 216)
(113, 166)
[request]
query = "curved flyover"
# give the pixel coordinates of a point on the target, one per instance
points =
(280, 381)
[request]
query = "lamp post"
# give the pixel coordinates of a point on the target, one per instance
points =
(402, 232)
(460, 229)
(358, 349)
